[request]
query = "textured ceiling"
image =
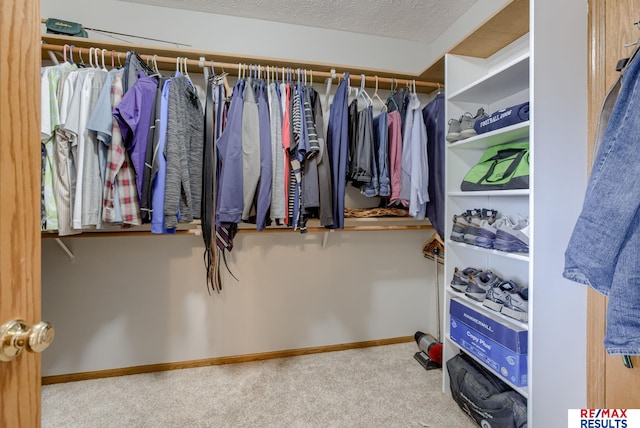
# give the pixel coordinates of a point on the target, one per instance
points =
(417, 20)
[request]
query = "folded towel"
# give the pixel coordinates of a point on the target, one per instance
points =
(505, 117)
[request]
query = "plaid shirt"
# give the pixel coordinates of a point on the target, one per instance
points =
(120, 172)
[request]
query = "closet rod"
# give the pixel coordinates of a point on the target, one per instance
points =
(370, 80)
(197, 232)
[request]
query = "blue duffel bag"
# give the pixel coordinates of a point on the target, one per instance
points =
(502, 118)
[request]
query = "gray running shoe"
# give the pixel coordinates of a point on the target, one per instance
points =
(453, 134)
(460, 224)
(497, 295)
(513, 238)
(487, 232)
(466, 126)
(460, 280)
(476, 218)
(517, 305)
(467, 123)
(480, 283)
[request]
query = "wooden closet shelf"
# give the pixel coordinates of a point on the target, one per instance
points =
(351, 225)
(230, 63)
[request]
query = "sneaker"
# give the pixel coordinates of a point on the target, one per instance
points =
(453, 134)
(467, 123)
(487, 232)
(497, 295)
(466, 126)
(513, 238)
(480, 283)
(476, 218)
(517, 305)
(460, 280)
(460, 223)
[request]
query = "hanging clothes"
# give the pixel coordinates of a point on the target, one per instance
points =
(250, 149)
(395, 156)
(65, 189)
(286, 144)
(352, 152)
(133, 115)
(264, 187)
(101, 124)
(79, 111)
(159, 171)
(184, 148)
(229, 145)
(325, 191)
(337, 146)
(364, 167)
(419, 195)
(209, 169)
(310, 180)
(278, 205)
(602, 252)
(120, 182)
(381, 147)
(434, 120)
(50, 121)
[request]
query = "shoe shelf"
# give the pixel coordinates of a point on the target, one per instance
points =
(522, 390)
(514, 256)
(479, 307)
(507, 79)
(516, 192)
(493, 83)
(494, 138)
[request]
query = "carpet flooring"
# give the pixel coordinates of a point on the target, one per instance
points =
(373, 387)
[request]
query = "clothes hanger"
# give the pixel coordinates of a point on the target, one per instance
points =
(91, 57)
(113, 65)
(104, 67)
(327, 92)
(119, 62)
(96, 53)
(186, 71)
(377, 97)
(154, 66)
(64, 52)
(363, 93)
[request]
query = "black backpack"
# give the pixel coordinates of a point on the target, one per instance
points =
(490, 402)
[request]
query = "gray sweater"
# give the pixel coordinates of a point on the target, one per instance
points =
(183, 149)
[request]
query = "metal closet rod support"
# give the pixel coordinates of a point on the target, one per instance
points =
(370, 80)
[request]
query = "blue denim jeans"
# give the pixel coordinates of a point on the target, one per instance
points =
(604, 250)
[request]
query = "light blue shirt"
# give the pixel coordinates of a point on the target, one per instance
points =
(159, 158)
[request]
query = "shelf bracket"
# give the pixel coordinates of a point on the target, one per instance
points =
(72, 257)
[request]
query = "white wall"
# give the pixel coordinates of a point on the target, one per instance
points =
(142, 300)
(558, 315)
(130, 301)
(244, 36)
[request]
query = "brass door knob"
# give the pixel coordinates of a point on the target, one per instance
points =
(16, 336)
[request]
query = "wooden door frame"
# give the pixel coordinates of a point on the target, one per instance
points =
(20, 202)
(596, 303)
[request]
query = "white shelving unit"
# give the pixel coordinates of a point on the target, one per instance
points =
(493, 84)
(537, 69)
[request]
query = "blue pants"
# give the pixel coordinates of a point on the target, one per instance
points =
(337, 144)
(433, 115)
(604, 250)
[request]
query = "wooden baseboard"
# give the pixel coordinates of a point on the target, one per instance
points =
(125, 371)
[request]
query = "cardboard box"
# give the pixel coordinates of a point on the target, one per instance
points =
(506, 363)
(492, 326)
